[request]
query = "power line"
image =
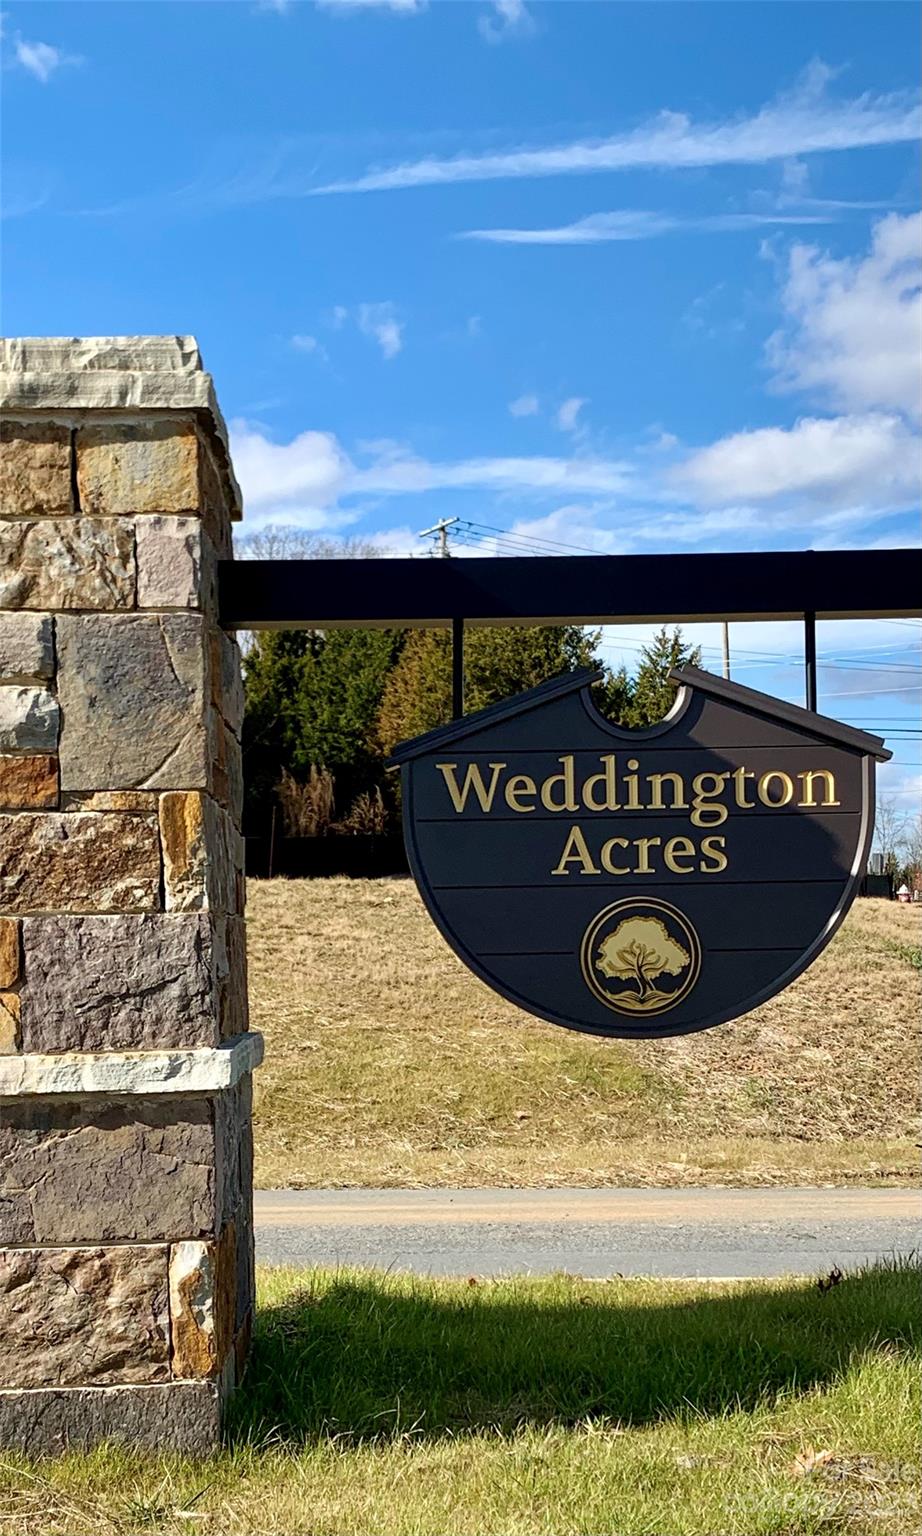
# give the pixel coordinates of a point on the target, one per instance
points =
(532, 539)
(853, 693)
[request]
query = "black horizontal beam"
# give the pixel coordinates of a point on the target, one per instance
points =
(582, 589)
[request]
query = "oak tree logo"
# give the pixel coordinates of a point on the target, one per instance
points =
(640, 956)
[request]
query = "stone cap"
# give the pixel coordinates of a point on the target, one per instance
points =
(73, 1074)
(119, 374)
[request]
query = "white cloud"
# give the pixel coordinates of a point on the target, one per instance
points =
(866, 461)
(570, 529)
(852, 335)
(636, 224)
(307, 480)
(524, 405)
(41, 60)
(306, 475)
(795, 180)
(853, 332)
(404, 7)
(568, 413)
(303, 343)
(400, 472)
(380, 323)
(795, 191)
(804, 121)
(509, 18)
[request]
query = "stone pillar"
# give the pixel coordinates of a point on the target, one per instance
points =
(126, 1251)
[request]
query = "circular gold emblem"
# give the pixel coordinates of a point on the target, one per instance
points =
(640, 956)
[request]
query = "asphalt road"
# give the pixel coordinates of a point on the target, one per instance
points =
(706, 1233)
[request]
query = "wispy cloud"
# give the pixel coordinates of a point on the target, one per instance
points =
(404, 7)
(509, 18)
(637, 224)
(849, 335)
(310, 345)
(804, 121)
(524, 405)
(715, 313)
(796, 192)
(40, 60)
(380, 323)
(567, 417)
(308, 480)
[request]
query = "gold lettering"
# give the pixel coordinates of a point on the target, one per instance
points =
(473, 779)
(787, 787)
(605, 855)
(632, 803)
(705, 787)
(679, 848)
(829, 786)
(580, 855)
(741, 775)
(656, 781)
(520, 784)
(642, 844)
(712, 848)
(565, 778)
(611, 789)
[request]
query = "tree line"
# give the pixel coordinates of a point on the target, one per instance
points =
(325, 709)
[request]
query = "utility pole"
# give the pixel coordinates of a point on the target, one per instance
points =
(726, 629)
(441, 529)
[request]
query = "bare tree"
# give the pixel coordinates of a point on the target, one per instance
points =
(280, 541)
(890, 829)
(912, 848)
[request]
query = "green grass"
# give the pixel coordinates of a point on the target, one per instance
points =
(911, 953)
(393, 1406)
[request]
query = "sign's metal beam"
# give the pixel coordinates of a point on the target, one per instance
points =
(583, 589)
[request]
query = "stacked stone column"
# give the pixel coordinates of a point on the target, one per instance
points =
(126, 1273)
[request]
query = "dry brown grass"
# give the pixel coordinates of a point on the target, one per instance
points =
(388, 1063)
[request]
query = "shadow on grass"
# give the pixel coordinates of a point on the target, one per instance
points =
(363, 1356)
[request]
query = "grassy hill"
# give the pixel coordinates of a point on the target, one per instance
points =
(388, 1063)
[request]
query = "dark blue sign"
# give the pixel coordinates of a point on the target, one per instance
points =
(639, 883)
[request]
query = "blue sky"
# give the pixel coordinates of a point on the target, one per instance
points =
(606, 276)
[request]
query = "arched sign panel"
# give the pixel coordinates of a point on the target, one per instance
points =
(639, 883)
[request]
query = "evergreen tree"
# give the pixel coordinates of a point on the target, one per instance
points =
(497, 663)
(273, 664)
(311, 697)
(339, 694)
(312, 701)
(651, 693)
(417, 694)
(613, 695)
(501, 662)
